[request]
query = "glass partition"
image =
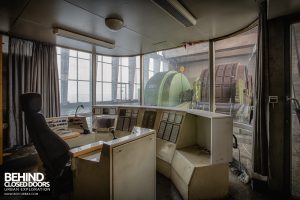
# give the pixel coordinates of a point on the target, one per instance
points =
(235, 64)
(117, 80)
(177, 77)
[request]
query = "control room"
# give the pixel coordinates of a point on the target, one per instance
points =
(149, 99)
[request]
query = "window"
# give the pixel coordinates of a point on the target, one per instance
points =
(74, 69)
(178, 77)
(117, 80)
(104, 79)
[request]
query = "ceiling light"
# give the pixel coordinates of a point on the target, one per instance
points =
(83, 38)
(114, 24)
(176, 10)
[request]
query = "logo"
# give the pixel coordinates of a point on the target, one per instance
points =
(25, 184)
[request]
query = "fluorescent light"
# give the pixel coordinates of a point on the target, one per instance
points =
(176, 10)
(83, 38)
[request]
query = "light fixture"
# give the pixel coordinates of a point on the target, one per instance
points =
(83, 38)
(114, 24)
(176, 10)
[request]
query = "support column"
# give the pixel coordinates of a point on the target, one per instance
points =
(212, 106)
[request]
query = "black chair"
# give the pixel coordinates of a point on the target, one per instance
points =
(53, 150)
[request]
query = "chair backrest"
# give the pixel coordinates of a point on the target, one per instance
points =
(52, 149)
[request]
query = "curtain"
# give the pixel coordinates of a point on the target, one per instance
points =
(32, 68)
(260, 157)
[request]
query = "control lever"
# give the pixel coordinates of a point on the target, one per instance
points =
(112, 130)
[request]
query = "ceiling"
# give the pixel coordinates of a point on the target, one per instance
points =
(146, 27)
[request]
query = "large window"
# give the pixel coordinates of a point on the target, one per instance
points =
(178, 77)
(118, 80)
(74, 68)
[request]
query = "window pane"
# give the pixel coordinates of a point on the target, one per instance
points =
(72, 68)
(137, 61)
(73, 53)
(137, 76)
(99, 58)
(72, 91)
(151, 73)
(180, 75)
(83, 69)
(59, 66)
(123, 91)
(99, 71)
(98, 91)
(84, 55)
(58, 50)
(125, 75)
(107, 59)
(107, 94)
(151, 64)
(120, 74)
(107, 72)
(124, 61)
(136, 92)
(83, 91)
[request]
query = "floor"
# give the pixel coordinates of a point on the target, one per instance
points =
(25, 160)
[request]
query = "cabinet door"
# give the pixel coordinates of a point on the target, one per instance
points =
(134, 169)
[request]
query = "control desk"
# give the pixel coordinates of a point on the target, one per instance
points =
(193, 147)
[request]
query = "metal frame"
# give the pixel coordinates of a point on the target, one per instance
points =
(142, 80)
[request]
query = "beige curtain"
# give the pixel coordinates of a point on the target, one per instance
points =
(32, 68)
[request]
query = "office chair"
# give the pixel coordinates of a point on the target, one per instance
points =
(53, 150)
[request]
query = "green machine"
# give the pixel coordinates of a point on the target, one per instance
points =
(166, 89)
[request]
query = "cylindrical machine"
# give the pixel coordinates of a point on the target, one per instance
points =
(166, 88)
(233, 88)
